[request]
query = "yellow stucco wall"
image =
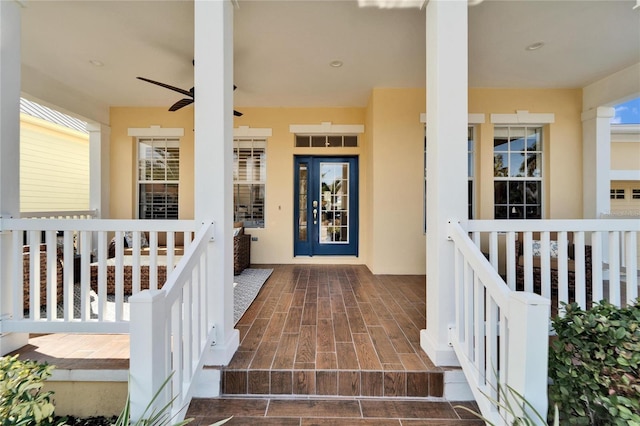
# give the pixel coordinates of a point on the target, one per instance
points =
(397, 151)
(391, 168)
(54, 166)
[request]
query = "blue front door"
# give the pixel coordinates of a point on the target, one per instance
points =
(326, 200)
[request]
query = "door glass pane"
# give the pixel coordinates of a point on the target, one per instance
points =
(334, 206)
(302, 205)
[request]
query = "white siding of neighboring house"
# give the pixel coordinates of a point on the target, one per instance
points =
(54, 166)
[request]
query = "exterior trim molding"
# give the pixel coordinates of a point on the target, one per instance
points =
(624, 175)
(326, 128)
(155, 131)
(474, 118)
(523, 117)
(600, 112)
(248, 132)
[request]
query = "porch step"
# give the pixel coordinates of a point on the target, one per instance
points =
(349, 383)
(282, 410)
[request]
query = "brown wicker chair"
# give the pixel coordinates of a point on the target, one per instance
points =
(241, 252)
(26, 278)
(537, 271)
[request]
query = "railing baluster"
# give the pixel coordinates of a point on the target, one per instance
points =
(511, 259)
(52, 275)
(85, 244)
(580, 276)
(153, 261)
(545, 264)
(119, 275)
(34, 275)
(563, 277)
(528, 261)
(614, 267)
(469, 314)
(596, 267)
(631, 275)
(18, 275)
(493, 249)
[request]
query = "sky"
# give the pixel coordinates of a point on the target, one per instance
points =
(628, 112)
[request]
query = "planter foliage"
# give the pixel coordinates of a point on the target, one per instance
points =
(594, 364)
(22, 401)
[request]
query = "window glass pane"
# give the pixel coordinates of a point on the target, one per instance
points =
(500, 192)
(516, 193)
(533, 192)
(318, 141)
(350, 141)
(500, 212)
(516, 136)
(533, 139)
(533, 165)
(302, 141)
(158, 201)
(501, 144)
(334, 141)
(516, 167)
(500, 165)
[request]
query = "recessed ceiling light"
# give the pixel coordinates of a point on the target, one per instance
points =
(336, 64)
(534, 46)
(96, 63)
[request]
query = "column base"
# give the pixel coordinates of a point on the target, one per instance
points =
(221, 353)
(441, 355)
(11, 341)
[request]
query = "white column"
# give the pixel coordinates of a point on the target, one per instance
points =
(10, 16)
(214, 161)
(446, 165)
(596, 161)
(99, 155)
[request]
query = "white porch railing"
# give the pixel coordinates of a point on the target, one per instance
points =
(501, 332)
(172, 327)
(66, 262)
(578, 261)
(500, 336)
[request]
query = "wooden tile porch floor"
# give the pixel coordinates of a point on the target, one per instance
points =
(319, 345)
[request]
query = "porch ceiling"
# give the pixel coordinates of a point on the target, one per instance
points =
(283, 48)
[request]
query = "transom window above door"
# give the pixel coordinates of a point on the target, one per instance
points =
(326, 141)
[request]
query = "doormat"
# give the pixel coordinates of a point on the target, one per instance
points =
(245, 289)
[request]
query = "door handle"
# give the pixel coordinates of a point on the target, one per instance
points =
(315, 212)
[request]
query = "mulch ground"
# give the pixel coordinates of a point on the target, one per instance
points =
(89, 421)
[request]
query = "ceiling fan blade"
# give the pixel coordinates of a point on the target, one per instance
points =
(181, 103)
(166, 86)
(237, 113)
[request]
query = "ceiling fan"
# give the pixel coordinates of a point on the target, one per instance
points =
(182, 102)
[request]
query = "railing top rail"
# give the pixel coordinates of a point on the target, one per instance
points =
(26, 215)
(553, 225)
(489, 277)
(97, 225)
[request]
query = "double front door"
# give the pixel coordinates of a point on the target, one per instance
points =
(326, 203)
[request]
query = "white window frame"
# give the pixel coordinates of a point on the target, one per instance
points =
(251, 179)
(169, 142)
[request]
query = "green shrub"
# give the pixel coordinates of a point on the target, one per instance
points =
(594, 364)
(22, 401)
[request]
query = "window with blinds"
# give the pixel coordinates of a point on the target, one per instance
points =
(158, 176)
(249, 181)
